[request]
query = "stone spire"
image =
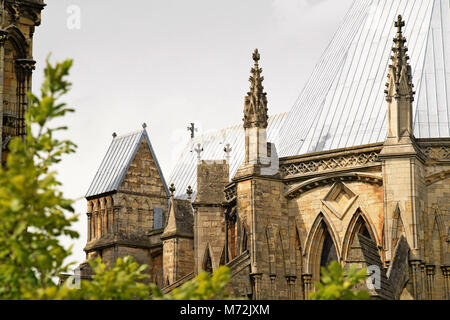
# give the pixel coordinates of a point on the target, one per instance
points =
(399, 73)
(255, 107)
(399, 88)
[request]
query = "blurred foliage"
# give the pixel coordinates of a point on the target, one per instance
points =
(203, 287)
(337, 284)
(32, 209)
(122, 281)
(125, 281)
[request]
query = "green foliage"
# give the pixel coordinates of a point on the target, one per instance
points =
(336, 284)
(122, 281)
(32, 209)
(203, 287)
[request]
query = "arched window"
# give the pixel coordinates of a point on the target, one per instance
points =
(321, 246)
(328, 250)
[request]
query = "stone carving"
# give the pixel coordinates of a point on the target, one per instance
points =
(437, 152)
(345, 161)
(399, 74)
(255, 108)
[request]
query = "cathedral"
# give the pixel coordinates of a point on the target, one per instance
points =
(357, 171)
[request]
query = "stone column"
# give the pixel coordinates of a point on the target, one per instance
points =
(257, 288)
(430, 269)
(25, 71)
(446, 273)
(423, 279)
(307, 279)
(116, 220)
(89, 216)
(291, 286)
(415, 275)
(272, 286)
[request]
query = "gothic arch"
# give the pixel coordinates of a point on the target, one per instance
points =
(298, 253)
(271, 248)
(284, 261)
(18, 41)
(439, 237)
(207, 260)
(398, 227)
(359, 223)
(320, 231)
(244, 239)
(222, 257)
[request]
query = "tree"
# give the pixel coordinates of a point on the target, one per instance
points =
(336, 284)
(32, 209)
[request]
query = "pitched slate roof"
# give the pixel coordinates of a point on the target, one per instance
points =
(116, 162)
(343, 105)
(185, 170)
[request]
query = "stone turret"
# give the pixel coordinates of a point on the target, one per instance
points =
(402, 163)
(399, 91)
(260, 156)
(178, 241)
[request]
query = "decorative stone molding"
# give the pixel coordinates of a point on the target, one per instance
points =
(297, 189)
(26, 65)
(329, 164)
(437, 152)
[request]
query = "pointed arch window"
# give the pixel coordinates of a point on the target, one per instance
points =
(329, 252)
(322, 247)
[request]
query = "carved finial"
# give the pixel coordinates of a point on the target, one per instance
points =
(256, 56)
(227, 149)
(255, 107)
(114, 135)
(189, 192)
(399, 24)
(144, 125)
(199, 151)
(399, 74)
(192, 129)
(172, 189)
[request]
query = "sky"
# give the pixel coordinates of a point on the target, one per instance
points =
(169, 63)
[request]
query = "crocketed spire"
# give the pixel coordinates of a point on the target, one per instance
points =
(399, 73)
(255, 109)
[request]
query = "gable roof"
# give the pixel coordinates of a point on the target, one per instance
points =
(184, 173)
(116, 162)
(343, 105)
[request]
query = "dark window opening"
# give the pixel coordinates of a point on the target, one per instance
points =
(328, 251)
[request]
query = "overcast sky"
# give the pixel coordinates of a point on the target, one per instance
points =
(169, 63)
